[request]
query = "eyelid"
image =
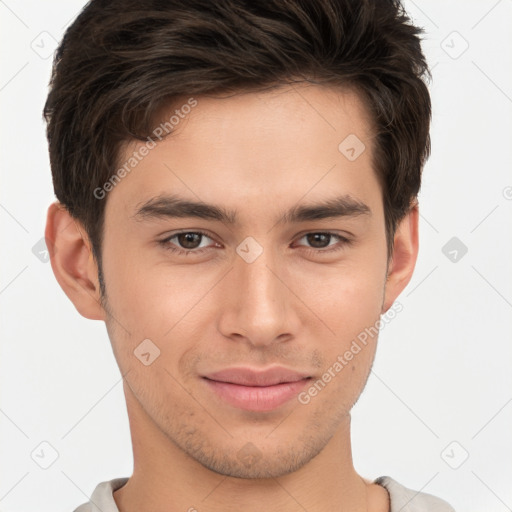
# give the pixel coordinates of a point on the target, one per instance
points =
(165, 241)
(329, 233)
(342, 242)
(341, 235)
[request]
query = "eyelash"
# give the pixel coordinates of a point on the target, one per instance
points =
(168, 246)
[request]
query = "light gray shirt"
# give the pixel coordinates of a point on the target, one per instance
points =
(402, 499)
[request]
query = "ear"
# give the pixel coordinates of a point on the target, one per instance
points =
(403, 260)
(72, 261)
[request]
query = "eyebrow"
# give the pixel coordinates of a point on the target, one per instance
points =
(172, 206)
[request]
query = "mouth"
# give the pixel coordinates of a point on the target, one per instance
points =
(256, 390)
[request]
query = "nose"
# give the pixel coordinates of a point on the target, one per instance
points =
(258, 306)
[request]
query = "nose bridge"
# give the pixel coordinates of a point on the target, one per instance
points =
(259, 308)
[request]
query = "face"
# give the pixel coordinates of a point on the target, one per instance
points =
(246, 306)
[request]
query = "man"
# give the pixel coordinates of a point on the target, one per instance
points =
(236, 186)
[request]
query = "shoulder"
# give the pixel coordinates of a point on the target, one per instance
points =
(102, 499)
(408, 500)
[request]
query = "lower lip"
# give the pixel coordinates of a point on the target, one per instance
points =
(257, 398)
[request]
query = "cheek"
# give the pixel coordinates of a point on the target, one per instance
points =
(346, 299)
(149, 295)
(350, 307)
(166, 305)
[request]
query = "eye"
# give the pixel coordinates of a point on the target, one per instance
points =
(191, 242)
(320, 240)
(186, 242)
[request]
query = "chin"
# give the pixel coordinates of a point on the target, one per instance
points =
(249, 462)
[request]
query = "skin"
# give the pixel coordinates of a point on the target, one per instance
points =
(259, 153)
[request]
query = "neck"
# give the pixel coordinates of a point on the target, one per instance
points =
(166, 478)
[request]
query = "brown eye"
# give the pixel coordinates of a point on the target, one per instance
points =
(189, 240)
(319, 243)
(319, 240)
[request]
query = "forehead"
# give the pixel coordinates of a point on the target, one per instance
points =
(255, 148)
(287, 114)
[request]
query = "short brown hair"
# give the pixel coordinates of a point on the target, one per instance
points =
(122, 60)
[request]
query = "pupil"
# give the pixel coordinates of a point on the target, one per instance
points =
(314, 238)
(187, 240)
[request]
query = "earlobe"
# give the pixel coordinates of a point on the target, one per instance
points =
(403, 261)
(72, 261)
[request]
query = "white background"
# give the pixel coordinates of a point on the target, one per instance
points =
(443, 367)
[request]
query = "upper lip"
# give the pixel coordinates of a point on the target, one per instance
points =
(257, 377)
